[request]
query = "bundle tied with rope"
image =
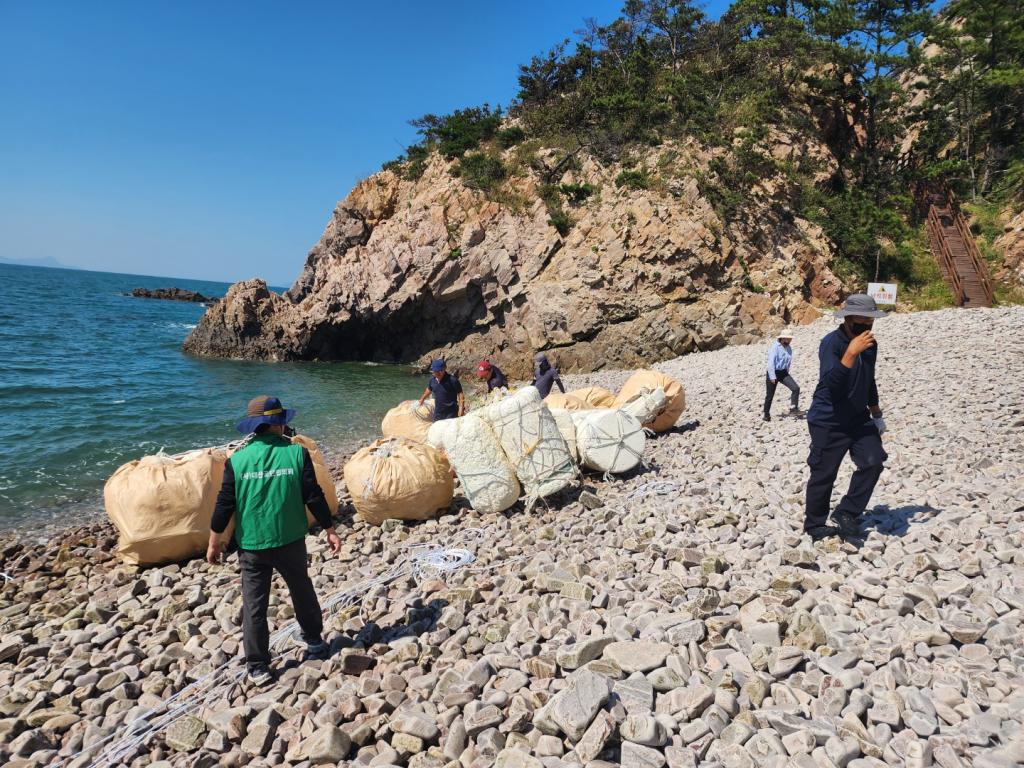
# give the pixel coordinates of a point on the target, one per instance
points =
(398, 479)
(486, 478)
(530, 438)
(609, 440)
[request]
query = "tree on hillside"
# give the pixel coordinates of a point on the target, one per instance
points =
(975, 110)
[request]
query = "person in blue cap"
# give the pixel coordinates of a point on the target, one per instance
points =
(449, 402)
(845, 418)
(267, 486)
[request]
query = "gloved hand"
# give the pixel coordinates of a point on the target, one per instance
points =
(880, 424)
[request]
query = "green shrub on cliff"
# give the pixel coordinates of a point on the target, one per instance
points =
(462, 130)
(480, 171)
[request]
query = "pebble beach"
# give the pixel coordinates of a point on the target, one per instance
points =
(673, 616)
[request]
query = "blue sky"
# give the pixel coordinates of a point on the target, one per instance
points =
(212, 139)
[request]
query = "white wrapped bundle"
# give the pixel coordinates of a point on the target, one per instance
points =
(488, 481)
(609, 440)
(648, 381)
(530, 438)
(563, 419)
(645, 407)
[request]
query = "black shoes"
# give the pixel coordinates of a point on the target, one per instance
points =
(767, 417)
(315, 649)
(796, 413)
(259, 674)
(849, 525)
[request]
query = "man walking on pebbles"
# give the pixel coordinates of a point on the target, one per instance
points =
(780, 357)
(267, 486)
(845, 418)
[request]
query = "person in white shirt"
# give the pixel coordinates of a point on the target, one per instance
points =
(780, 357)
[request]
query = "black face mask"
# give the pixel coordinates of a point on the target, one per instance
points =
(856, 329)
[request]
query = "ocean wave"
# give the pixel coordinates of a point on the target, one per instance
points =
(187, 326)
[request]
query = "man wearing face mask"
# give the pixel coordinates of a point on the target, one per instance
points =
(845, 418)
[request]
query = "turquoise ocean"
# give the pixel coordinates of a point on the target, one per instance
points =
(91, 378)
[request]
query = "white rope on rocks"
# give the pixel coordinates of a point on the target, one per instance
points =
(423, 561)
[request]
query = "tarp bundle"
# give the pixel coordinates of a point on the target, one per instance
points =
(532, 442)
(402, 421)
(564, 422)
(609, 440)
(162, 505)
(594, 397)
(565, 402)
(323, 474)
(488, 481)
(648, 381)
(646, 406)
(398, 479)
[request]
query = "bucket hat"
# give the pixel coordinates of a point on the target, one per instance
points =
(860, 304)
(264, 410)
(785, 333)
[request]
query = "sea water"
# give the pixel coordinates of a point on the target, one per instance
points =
(91, 378)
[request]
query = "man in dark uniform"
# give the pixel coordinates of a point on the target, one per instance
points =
(266, 488)
(545, 375)
(496, 379)
(845, 418)
(449, 402)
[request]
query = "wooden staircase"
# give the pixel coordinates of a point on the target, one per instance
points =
(953, 245)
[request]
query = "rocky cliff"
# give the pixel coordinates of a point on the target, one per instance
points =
(408, 269)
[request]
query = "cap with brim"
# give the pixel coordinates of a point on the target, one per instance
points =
(436, 365)
(861, 305)
(483, 369)
(264, 410)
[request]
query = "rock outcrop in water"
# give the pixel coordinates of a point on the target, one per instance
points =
(172, 294)
(409, 269)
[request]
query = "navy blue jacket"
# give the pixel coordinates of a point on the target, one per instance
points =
(843, 394)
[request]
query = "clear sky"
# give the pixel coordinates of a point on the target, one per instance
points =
(212, 139)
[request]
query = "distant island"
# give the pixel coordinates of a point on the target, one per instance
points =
(173, 294)
(46, 261)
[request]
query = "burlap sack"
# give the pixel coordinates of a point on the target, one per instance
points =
(649, 381)
(402, 422)
(565, 402)
(161, 506)
(398, 479)
(595, 397)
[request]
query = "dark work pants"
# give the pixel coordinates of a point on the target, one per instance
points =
(783, 378)
(829, 447)
(258, 566)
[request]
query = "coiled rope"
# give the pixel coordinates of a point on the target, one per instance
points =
(422, 562)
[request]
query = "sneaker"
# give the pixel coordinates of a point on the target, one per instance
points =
(259, 674)
(796, 413)
(849, 525)
(819, 532)
(316, 649)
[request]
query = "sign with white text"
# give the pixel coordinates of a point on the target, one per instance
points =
(882, 293)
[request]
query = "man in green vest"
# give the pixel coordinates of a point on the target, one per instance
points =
(267, 486)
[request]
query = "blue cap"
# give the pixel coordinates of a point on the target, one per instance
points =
(436, 365)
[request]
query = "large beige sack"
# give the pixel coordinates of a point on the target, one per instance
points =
(566, 402)
(488, 481)
(162, 505)
(595, 397)
(400, 421)
(650, 381)
(609, 440)
(646, 406)
(563, 418)
(530, 438)
(398, 479)
(323, 474)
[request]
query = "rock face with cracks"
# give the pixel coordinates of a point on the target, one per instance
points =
(407, 270)
(712, 632)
